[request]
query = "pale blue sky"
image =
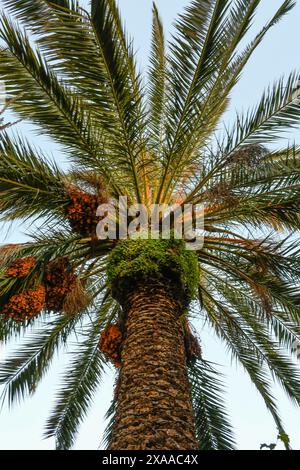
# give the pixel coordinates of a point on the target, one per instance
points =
(21, 427)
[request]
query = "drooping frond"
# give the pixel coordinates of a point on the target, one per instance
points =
(110, 417)
(22, 373)
(253, 307)
(244, 352)
(212, 427)
(9, 329)
(79, 384)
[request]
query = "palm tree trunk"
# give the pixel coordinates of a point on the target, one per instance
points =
(154, 409)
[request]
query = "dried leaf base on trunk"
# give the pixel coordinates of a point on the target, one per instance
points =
(154, 409)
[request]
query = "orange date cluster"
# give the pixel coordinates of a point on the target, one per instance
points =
(110, 344)
(81, 212)
(25, 305)
(50, 294)
(21, 267)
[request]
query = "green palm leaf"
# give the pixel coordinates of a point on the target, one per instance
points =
(212, 427)
(157, 83)
(79, 384)
(22, 373)
(29, 185)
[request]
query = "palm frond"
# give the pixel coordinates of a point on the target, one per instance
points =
(9, 329)
(157, 83)
(48, 102)
(29, 185)
(277, 112)
(196, 29)
(37, 12)
(82, 378)
(210, 106)
(124, 42)
(280, 366)
(212, 427)
(246, 354)
(110, 417)
(22, 373)
(216, 97)
(121, 95)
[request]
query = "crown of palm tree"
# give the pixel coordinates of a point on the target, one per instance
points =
(77, 80)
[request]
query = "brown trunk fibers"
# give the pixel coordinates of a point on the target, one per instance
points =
(154, 409)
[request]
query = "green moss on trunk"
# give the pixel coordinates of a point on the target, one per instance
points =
(134, 260)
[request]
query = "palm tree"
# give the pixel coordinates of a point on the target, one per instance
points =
(129, 301)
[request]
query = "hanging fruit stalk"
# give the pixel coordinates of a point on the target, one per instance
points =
(60, 279)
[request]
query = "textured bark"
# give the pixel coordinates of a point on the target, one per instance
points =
(154, 408)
